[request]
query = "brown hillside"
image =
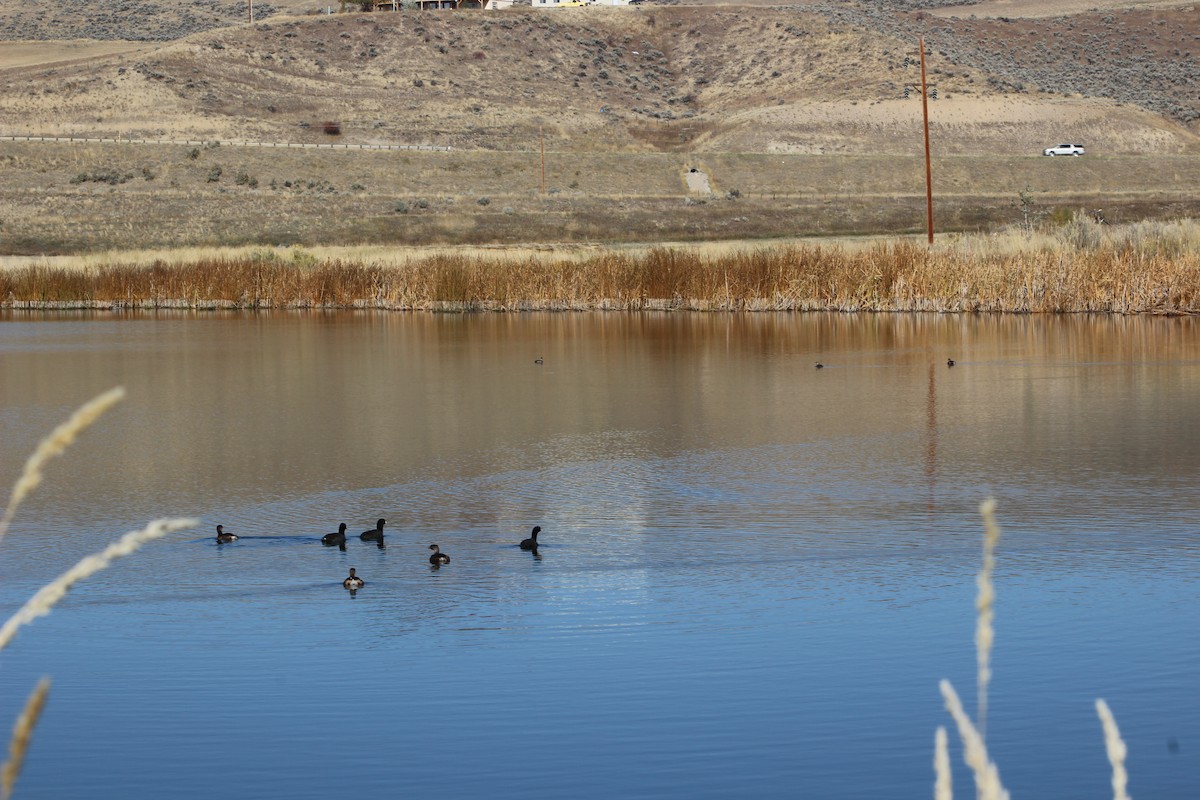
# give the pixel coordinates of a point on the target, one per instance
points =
(730, 78)
(793, 117)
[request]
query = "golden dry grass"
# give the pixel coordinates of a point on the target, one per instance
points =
(1085, 267)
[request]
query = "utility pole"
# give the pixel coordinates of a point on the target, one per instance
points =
(250, 10)
(928, 167)
(542, 140)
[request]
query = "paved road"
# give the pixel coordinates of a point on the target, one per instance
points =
(223, 143)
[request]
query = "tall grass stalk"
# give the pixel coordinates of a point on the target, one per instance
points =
(943, 787)
(1116, 750)
(48, 596)
(1137, 274)
(22, 737)
(987, 774)
(54, 445)
(985, 613)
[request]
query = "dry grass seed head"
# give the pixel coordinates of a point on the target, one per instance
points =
(54, 445)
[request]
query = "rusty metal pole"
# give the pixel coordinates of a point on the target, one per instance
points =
(250, 10)
(542, 140)
(928, 167)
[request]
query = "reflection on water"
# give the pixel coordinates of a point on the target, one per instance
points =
(751, 572)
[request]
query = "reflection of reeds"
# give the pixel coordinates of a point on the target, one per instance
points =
(1116, 750)
(54, 445)
(22, 736)
(1138, 273)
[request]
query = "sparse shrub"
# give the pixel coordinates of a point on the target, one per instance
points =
(214, 174)
(422, 203)
(194, 153)
(509, 210)
(356, 187)
(147, 174)
(483, 201)
(110, 176)
(733, 194)
(401, 207)
(242, 178)
(478, 55)
(1060, 216)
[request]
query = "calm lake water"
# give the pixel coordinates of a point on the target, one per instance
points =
(753, 572)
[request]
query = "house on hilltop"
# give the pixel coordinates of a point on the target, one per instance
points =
(434, 5)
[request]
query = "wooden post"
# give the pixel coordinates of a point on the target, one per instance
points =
(928, 167)
(542, 140)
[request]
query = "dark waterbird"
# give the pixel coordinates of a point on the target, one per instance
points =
(353, 582)
(335, 538)
(375, 534)
(438, 556)
(820, 365)
(222, 536)
(531, 543)
(949, 362)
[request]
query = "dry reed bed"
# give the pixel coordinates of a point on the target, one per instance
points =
(1113, 276)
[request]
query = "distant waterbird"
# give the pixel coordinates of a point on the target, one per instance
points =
(353, 581)
(335, 538)
(438, 556)
(538, 360)
(820, 365)
(222, 536)
(531, 543)
(949, 362)
(375, 534)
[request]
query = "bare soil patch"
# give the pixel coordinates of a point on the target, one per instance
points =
(29, 54)
(1034, 9)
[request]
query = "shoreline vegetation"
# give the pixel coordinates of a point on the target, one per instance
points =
(1079, 266)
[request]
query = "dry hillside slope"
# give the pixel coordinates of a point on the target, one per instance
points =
(682, 78)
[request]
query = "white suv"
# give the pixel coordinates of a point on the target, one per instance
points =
(1064, 150)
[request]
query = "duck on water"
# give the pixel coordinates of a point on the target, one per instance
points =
(335, 538)
(222, 536)
(375, 534)
(438, 556)
(531, 543)
(353, 581)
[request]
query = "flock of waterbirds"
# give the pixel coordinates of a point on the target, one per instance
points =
(338, 539)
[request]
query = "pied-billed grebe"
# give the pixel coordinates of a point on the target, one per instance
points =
(335, 538)
(438, 556)
(222, 536)
(531, 542)
(353, 582)
(949, 362)
(375, 534)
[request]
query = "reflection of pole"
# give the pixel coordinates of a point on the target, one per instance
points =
(542, 139)
(928, 168)
(931, 443)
